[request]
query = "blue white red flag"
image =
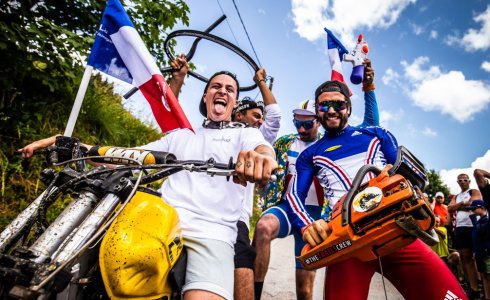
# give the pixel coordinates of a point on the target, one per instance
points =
(336, 53)
(119, 51)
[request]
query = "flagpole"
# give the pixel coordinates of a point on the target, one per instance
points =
(75, 110)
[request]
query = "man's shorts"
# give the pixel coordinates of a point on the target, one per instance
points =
(209, 266)
(463, 238)
(244, 252)
(282, 211)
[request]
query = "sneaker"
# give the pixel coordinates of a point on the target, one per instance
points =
(474, 295)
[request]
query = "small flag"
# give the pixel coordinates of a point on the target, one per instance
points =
(336, 53)
(119, 51)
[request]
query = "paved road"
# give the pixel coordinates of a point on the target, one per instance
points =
(280, 284)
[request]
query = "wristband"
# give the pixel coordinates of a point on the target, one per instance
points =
(258, 82)
(367, 88)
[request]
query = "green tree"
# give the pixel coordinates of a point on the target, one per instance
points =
(436, 185)
(43, 46)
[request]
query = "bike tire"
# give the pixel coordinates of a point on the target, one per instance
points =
(214, 39)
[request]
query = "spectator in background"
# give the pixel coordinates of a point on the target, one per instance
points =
(440, 208)
(274, 222)
(266, 115)
(481, 177)
(441, 248)
(463, 241)
(481, 241)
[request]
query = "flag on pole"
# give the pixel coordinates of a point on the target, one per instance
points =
(119, 51)
(336, 53)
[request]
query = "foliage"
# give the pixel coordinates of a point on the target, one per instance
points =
(43, 45)
(102, 121)
(436, 185)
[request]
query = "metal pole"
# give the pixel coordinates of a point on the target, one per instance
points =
(75, 110)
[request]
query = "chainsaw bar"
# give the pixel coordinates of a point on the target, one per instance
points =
(408, 223)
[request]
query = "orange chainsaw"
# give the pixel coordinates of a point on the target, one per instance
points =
(378, 217)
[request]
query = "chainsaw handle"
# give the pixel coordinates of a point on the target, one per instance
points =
(356, 183)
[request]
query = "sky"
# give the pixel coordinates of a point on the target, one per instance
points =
(431, 61)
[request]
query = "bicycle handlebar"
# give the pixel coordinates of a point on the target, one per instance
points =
(126, 156)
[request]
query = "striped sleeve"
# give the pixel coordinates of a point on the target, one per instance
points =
(389, 146)
(301, 184)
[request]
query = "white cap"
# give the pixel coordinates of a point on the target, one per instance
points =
(439, 194)
(306, 108)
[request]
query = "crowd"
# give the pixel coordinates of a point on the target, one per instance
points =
(464, 233)
(314, 170)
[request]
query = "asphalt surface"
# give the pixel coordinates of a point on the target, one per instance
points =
(280, 283)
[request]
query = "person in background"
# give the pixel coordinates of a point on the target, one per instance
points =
(440, 208)
(481, 177)
(441, 248)
(481, 241)
(463, 241)
(264, 115)
(274, 223)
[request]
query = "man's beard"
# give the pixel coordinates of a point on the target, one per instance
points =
(334, 130)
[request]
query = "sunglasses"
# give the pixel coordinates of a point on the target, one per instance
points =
(463, 180)
(307, 125)
(337, 105)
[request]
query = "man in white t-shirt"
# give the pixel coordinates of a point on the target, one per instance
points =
(266, 116)
(209, 207)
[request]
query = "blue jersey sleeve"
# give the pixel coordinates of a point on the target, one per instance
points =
(389, 145)
(301, 184)
(371, 111)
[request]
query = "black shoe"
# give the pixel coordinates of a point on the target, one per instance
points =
(474, 295)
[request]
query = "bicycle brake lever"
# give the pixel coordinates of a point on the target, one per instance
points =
(220, 172)
(228, 173)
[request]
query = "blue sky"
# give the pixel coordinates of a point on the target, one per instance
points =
(431, 60)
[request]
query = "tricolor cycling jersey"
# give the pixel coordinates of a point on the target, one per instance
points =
(335, 160)
(315, 193)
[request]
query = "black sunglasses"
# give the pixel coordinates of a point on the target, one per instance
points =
(307, 125)
(337, 105)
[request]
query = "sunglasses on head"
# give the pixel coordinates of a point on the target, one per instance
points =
(307, 125)
(337, 105)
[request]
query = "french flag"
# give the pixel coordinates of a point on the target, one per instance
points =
(336, 53)
(119, 51)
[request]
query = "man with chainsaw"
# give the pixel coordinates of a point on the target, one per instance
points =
(274, 221)
(415, 270)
